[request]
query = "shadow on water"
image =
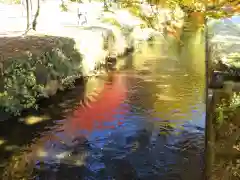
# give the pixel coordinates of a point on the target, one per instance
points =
(147, 123)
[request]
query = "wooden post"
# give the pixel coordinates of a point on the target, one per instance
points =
(210, 107)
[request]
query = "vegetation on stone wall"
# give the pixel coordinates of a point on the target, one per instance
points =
(37, 69)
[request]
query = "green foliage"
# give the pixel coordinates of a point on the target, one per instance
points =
(127, 3)
(10, 1)
(63, 7)
(78, 1)
(16, 1)
(234, 59)
(220, 115)
(22, 87)
(217, 14)
(225, 111)
(235, 102)
(135, 10)
(111, 21)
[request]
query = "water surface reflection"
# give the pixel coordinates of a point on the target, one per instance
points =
(148, 122)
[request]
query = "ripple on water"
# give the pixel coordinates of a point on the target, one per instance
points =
(156, 128)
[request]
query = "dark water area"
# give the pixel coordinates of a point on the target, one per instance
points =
(144, 121)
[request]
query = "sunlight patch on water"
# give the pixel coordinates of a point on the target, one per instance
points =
(2, 141)
(42, 153)
(94, 86)
(11, 147)
(62, 155)
(162, 97)
(163, 85)
(164, 76)
(31, 120)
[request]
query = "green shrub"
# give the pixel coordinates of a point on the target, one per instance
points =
(63, 7)
(225, 111)
(27, 76)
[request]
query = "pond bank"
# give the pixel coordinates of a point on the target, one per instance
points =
(40, 64)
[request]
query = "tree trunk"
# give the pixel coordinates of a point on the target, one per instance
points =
(105, 5)
(34, 24)
(28, 14)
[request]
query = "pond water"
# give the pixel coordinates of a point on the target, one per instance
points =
(144, 121)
